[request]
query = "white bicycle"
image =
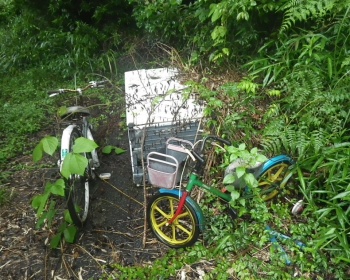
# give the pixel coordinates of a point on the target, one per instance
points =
(75, 119)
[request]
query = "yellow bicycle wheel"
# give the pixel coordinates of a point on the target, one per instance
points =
(273, 179)
(183, 231)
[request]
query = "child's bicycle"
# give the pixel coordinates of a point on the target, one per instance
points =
(173, 216)
(74, 121)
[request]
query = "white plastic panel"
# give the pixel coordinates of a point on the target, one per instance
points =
(156, 96)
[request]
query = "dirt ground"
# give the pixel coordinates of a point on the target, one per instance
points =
(114, 232)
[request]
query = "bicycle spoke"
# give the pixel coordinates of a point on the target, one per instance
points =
(178, 226)
(280, 170)
(184, 214)
(171, 202)
(160, 211)
(162, 224)
(183, 231)
(173, 230)
(272, 179)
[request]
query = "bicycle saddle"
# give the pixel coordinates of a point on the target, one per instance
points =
(67, 111)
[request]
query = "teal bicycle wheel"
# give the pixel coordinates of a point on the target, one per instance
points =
(274, 176)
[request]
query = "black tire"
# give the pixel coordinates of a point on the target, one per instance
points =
(78, 189)
(183, 232)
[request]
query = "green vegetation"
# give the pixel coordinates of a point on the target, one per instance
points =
(45, 204)
(290, 62)
(4, 196)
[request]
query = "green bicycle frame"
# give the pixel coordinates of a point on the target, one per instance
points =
(195, 181)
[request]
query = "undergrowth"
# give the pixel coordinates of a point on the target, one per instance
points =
(294, 100)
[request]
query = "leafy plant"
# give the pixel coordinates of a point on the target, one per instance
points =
(327, 194)
(45, 204)
(4, 196)
(109, 149)
(232, 110)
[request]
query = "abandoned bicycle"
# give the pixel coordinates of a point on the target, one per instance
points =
(74, 121)
(173, 216)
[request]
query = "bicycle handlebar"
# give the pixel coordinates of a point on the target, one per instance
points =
(90, 85)
(195, 156)
(215, 139)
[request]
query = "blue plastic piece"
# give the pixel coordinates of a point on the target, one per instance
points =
(273, 238)
(192, 203)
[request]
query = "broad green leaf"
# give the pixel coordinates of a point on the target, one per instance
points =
(240, 171)
(50, 144)
(39, 203)
(241, 147)
(74, 164)
(230, 188)
(231, 149)
(55, 241)
(235, 195)
(233, 157)
(242, 201)
(48, 187)
(107, 149)
(218, 33)
(51, 212)
(67, 217)
(244, 154)
(70, 233)
(215, 12)
(261, 158)
(119, 151)
(229, 179)
(41, 221)
(58, 187)
(250, 180)
(62, 111)
(38, 152)
(84, 145)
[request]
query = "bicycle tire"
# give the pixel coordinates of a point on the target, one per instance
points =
(78, 189)
(273, 179)
(183, 232)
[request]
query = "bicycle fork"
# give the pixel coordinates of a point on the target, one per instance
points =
(179, 209)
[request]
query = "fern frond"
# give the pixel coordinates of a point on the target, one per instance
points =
(319, 139)
(302, 10)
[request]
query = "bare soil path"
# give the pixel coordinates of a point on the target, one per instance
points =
(113, 234)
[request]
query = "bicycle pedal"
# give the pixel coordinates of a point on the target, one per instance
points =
(105, 176)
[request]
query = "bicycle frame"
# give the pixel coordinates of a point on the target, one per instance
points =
(193, 182)
(176, 219)
(76, 122)
(196, 181)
